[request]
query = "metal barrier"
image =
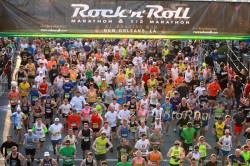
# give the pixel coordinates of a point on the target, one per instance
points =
(3, 83)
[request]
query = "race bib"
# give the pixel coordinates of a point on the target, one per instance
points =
(33, 98)
(8, 150)
(86, 139)
(67, 95)
(73, 124)
(42, 139)
(95, 125)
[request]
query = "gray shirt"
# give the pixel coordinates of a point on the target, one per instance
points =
(29, 144)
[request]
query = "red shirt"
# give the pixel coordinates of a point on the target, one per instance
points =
(145, 78)
(13, 97)
(43, 88)
(96, 121)
(74, 121)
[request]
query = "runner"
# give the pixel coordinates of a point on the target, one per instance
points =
(89, 160)
(26, 109)
(48, 161)
(155, 156)
(40, 130)
(124, 150)
(203, 147)
(99, 146)
(30, 142)
(218, 131)
(138, 160)
(56, 130)
(49, 106)
(68, 154)
(18, 118)
(239, 120)
(86, 135)
(143, 145)
(96, 122)
(74, 122)
(37, 111)
(13, 97)
(225, 144)
(176, 154)
(236, 159)
(77, 102)
(187, 136)
(14, 158)
(7, 145)
(212, 161)
(195, 154)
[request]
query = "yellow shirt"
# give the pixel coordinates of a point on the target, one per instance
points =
(31, 69)
(24, 89)
(182, 67)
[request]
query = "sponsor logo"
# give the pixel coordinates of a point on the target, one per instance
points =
(151, 12)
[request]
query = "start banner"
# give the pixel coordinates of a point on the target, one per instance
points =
(195, 18)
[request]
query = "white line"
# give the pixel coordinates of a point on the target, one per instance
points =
(115, 160)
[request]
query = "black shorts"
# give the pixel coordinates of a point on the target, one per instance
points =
(152, 105)
(65, 115)
(113, 129)
(75, 129)
(85, 146)
(48, 115)
(30, 151)
(85, 122)
(16, 128)
(31, 77)
(12, 107)
(212, 97)
(95, 130)
(106, 105)
(100, 157)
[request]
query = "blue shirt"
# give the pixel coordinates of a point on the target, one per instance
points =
(67, 87)
(167, 108)
(33, 95)
(175, 102)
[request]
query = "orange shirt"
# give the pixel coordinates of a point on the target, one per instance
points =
(13, 97)
(213, 88)
(73, 75)
(98, 56)
(65, 71)
(49, 65)
(178, 81)
(120, 78)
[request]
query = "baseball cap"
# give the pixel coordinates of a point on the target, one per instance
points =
(103, 79)
(66, 80)
(46, 154)
(176, 143)
(34, 86)
(30, 130)
(48, 97)
(56, 119)
(103, 132)
(18, 109)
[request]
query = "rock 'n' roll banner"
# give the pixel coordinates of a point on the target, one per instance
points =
(117, 17)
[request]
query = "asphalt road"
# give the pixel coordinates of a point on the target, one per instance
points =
(7, 128)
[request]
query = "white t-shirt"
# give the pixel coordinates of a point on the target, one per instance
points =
(76, 102)
(109, 77)
(157, 112)
(142, 47)
(102, 69)
(124, 114)
(23, 46)
(174, 73)
(65, 108)
(188, 76)
(44, 61)
(42, 69)
(199, 90)
(83, 90)
(111, 118)
(97, 79)
(56, 131)
(142, 146)
(80, 67)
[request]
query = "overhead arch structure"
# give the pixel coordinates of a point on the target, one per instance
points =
(190, 19)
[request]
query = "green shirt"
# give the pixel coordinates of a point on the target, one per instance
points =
(69, 153)
(126, 164)
(188, 135)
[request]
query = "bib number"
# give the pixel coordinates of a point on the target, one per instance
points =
(67, 95)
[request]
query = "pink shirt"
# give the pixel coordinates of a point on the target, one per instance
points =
(85, 114)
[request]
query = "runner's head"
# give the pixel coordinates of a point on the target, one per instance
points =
(14, 149)
(56, 121)
(30, 131)
(103, 134)
(9, 138)
(48, 97)
(67, 143)
(155, 147)
(177, 143)
(104, 163)
(46, 155)
(124, 159)
(90, 155)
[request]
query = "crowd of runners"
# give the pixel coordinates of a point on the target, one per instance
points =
(136, 91)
